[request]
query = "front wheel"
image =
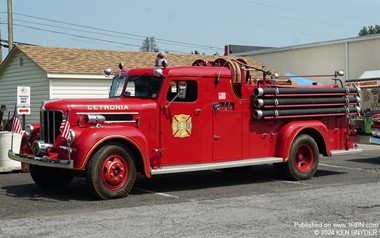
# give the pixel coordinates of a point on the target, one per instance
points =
(303, 159)
(111, 172)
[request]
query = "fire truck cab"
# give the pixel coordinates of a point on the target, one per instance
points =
(211, 115)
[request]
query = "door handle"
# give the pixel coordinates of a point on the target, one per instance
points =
(216, 137)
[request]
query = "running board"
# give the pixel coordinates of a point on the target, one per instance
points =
(345, 152)
(216, 165)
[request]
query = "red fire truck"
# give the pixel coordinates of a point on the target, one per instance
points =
(211, 115)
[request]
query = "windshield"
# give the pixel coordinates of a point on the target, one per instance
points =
(146, 86)
(117, 86)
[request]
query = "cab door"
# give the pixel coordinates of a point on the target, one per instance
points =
(182, 131)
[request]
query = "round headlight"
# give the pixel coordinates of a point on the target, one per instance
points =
(29, 129)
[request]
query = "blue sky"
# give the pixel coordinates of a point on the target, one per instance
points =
(184, 26)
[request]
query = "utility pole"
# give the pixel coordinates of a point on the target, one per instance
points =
(10, 26)
(1, 49)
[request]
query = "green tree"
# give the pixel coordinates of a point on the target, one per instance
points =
(149, 45)
(369, 30)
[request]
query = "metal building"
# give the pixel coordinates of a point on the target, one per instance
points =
(353, 55)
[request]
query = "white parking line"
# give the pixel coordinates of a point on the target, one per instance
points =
(295, 182)
(270, 178)
(153, 192)
(369, 147)
(341, 167)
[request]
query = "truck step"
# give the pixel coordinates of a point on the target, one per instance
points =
(216, 165)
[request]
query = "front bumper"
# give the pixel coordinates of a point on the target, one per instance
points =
(374, 140)
(42, 161)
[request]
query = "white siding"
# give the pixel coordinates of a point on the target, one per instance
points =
(79, 88)
(324, 58)
(21, 71)
(319, 60)
(364, 56)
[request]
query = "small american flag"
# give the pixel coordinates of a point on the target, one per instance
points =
(65, 127)
(16, 124)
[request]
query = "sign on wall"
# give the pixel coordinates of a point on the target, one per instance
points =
(364, 84)
(23, 100)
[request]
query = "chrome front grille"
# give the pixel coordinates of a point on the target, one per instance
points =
(50, 123)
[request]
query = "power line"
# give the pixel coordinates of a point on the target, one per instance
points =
(84, 37)
(158, 40)
(92, 32)
(67, 28)
(17, 42)
(74, 35)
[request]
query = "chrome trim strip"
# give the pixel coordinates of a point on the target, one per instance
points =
(110, 122)
(90, 112)
(42, 161)
(113, 113)
(42, 124)
(216, 165)
(48, 126)
(54, 122)
(345, 152)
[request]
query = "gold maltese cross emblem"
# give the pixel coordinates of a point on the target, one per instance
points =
(181, 125)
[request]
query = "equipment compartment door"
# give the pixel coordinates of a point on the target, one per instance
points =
(227, 135)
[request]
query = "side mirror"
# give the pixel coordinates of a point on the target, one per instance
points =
(182, 92)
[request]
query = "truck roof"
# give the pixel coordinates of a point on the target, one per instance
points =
(186, 71)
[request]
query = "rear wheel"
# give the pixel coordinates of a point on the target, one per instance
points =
(47, 177)
(111, 172)
(303, 159)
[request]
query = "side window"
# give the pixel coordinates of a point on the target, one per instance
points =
(187, 91)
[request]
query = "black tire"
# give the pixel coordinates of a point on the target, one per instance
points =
(111, 172)
(47, 177)
(303, 159)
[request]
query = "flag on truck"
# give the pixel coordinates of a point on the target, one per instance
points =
(65, 127)
(16, 124)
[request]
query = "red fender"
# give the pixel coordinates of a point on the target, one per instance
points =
(290, 131)
(89, 140)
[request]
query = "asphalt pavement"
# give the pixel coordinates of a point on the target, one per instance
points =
(342, 199)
